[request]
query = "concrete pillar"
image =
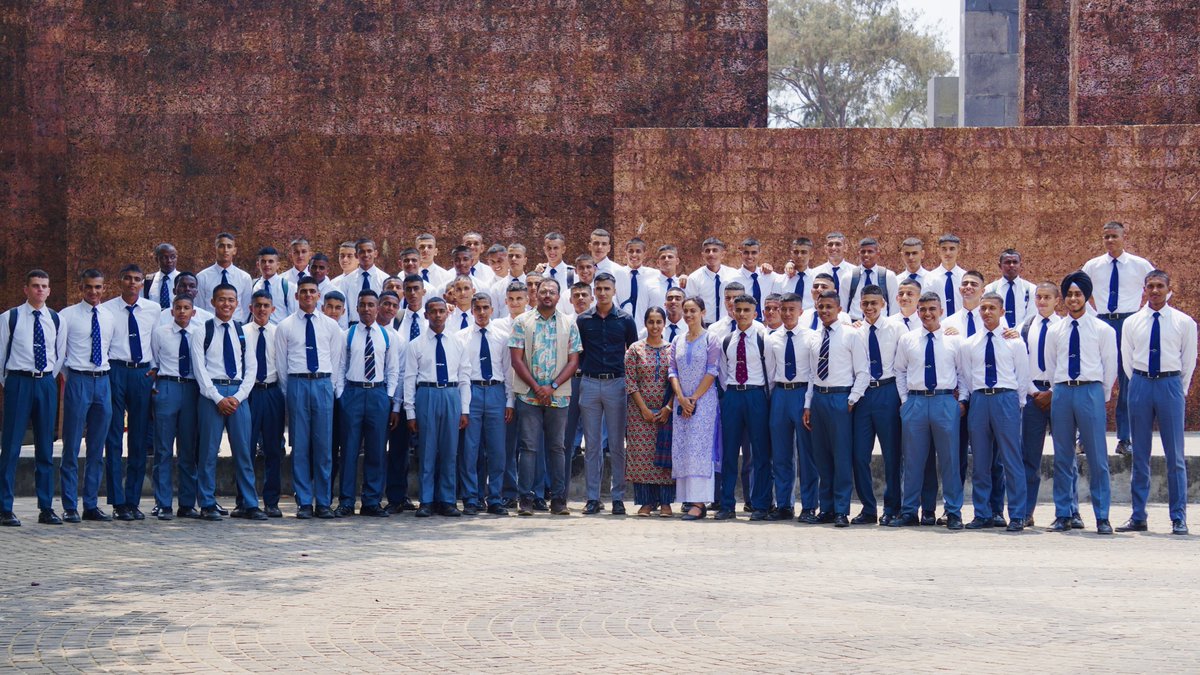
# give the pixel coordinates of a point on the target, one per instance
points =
(942, 102)
(990, 51)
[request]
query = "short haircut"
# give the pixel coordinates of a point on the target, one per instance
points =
(409, 251)
(712, 241)
(389, 294)
(549, 280)
(835, 235)
(605, 276)
(585, 258)
(675, 289)
(802, 241)
(224, 235)
(435, 300)
(773, 297)
(743, 298)
(414, 279)
(318, 256)
(1049, 285)
(872, 289)
(224, 287)
(930, 296)
(182, 298)
(179, 277)
(1114, 225)
(472, 233)
(460, 249)
(90, 273)
(480, 297)
(553, 236)
(367, 293)
(601, 232)
(735, 287)
(911, 282)
(261, 294)
(912, 241)
(518, 247)
(992, 295)
(161, 248)
(132, 267)
(791, 297)
(830, 295)
(581, 285)
(267, 250)
(497, 248)
(393, 278)
(974, 273)
(668, 247)
(868, 241)
(305, 280)
(517, 287)
(948, 239)
(1157, 274)
(363, 242)
(335, 295)
(426, 236)
(750, 241)
(824, 275)
(346, 244)
(1009, 252)
(299, 241)
(636, 241)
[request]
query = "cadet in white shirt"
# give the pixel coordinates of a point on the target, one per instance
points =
(347, 263)
(482, 275)
(409, 325)
(1117, 278)
(225, 378)
(789, 435)
(301, 257)
(488, 366)
(708, 282)
(821, 282)
(877, 414)
(1017, 293)
(668, 267)
(1035, 416)
(967, 321)
(365, 387)
(177, 355)
(998, 371)
(868, 273)
(309, 348)
(945, 279)
(223, 272)
(275, 285)
(366, 277)
(160, 286)
(267, 409)
(840, 378)
(673, 304)
(1159, 356)
(912, 253)
(555, 246)
(187, 286)
(908, 291)
(836, 266)
(638, 287)
(759, 280)
(1081, 352)
(797, 277)
(437, 391)
(458, 297)
(431, 272)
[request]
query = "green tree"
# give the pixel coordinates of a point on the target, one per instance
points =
(849, 63)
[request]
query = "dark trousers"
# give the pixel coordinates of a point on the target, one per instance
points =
(266, 432)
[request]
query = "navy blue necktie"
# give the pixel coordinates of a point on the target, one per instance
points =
(670, 283)
(414, 329)
(97, 358)
(799, 289)
(310, 344)
(224, 276)
(1042, 345)
(989, 363)
(789, 358)
(949, 291)
(837, 280)
(425, 274)
(39, 342)
(931, 375)
(875, 355)
(1155, 348)
(756, 291)
(912, 275)
(823, 356)
(227, 353)
(867, 281)
(717, 296)
(439, 356)
(485, 355)
(463, 326)
(814, 321)
(1010, 305)
(185, 354)
(260, 354)
(674, 330)
(1073, 365)
(369, 358)
(633, 291)
(1114, 285)
(135, 337)
(366, 281)
(906, 324)
(164, 294)
(970, 324)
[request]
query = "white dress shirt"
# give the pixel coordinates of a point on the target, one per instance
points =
(810, 320)
(436, 275)
(563, 274)
(910, 362)
(210, 277)
(918, 276)
(404, 328)
(166, 319)
(152, 290)
(290, 354)
(847, 366)
(145, 313)
(352, 284)
(387, 358)
(680, 329)
(456, 320)
(212, 364)
(935, 282)
(777, 345)
(1033, 342)
(254, 333)
(1177, 343)
(887, 334)
(703, 284)
(1131, 276)
(482, 275)
(766, 283)
(796, 284)
(905, 323)
(754, 359)
(964, 321)
(164, 346)
(845, 273)
(1012, 362)
(668, 283)
(1024, 297)
(75, 339)
(651, 292)
(293, 277)
(284, 299)
(21, 355)
(420, 365)
(498, 292)
(1098, 352)
(854, 309)
(497, 337)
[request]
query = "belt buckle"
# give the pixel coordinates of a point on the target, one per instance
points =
(38, 374)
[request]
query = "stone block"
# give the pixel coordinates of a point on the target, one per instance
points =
(987, 33)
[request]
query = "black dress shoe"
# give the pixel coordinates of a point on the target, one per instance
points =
(928, 520)
(1060, 524)
(1104, 527)
(941, 520)
(450, 511)
(759, 514)
(781, 514)
(254, 514)
(273, 512)
(154, 511)
(864, 518)
(323, 512)
(49, 517)
(999, 521)
(909, 520)
(122, 514)
(978, 523)
(9, 519)
(1132, 525)
(726, 514)
(1029, 522)
(343, 511)
(618, 507)
(841, 520)
(1076, 522)
(188, 512)
(210, 514)
(1179, 527)
(808, 517)
(591, 508)
(525, 507)
(511, 503)
(1123, 448)
(304, 512)
(825, 517)
(237, 512)
(1015, 526)
(470, 509)
(559, 507)
(424, 511)
(497, 510)
(886, 519)
(97, 515)
(714, 507)
(539, 504)
(953, 522)
(374, 511)
(393, 508)
(221, 509)
(165, 514)
(72, 516)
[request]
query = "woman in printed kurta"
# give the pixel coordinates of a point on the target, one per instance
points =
(648, 419)
(696, 450)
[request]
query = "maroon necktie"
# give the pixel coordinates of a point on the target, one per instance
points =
(742, 373)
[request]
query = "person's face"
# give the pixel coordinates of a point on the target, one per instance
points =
(991, 311)
(581, 299)
(516, 261)
(516, 301)
(268, 265)
(182, 312)
(828, 310)
(948, 252)
(224, 304)
(167, 258)
(771, 312)
(347, 260)
(436, 314)
(388, 307)
(427, 250)
(131, 283)
(668, 262)
(414, 292)
(533, 282)
(186, 286)
(475, 243)
(1114, 241)
(713, 255)
(867, 255)
(930, 313)
(604, 291)
(729, 298)
(553, 248)
(819, 286)
(301, 254)
(394, 285)
(970, 287)
(366, 255)
(482, 311)
(1157, 290)
(750, 257)
(319, 269)
(744, 313)
(463, 291)
(586, 271)
(634, 255)
(835, 250)
(261, 309)
(674, 304)
(411, 263)
(368, 309)
(871, 306)
(1010, 266)
(789, 313)
(912, 257)
(599, 246)
(307, 296)
(654, 325)
(801, 255)
(462, 262)
(499, 264)
(93, 290)
(547, 296)
(1046, 300)
(334, 309)
(693, 316)
(226, 249)
(906, 297)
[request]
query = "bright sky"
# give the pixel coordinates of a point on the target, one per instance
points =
(942, 16)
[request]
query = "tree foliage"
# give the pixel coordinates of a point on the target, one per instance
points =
(849, 63)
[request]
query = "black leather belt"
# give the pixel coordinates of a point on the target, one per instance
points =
(174, 378)
(1042, 384)
(930, 392)
(743, 387)
(879, 383)
(788, 386)
(831, 390)
(309, 376)
(365, 385)
(265, 385)
(603, 376)
(129, 364)
(486, 383)
(88, 373)
(435, 385)
(992, 391)
(1115, 316)
(1079, 383)
(227, 383)
(35, 374)
(1161, 375)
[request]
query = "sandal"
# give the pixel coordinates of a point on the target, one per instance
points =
(690, 516)
(644, 512)
(665, 511)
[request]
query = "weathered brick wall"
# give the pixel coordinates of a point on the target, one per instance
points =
(1045, 191)
(1045, 68)
(125, 123)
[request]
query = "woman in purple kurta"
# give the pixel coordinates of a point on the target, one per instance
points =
(696, 446)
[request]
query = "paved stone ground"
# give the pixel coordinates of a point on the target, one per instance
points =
(554, 595)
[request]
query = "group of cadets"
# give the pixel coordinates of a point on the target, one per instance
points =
(819, 363)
